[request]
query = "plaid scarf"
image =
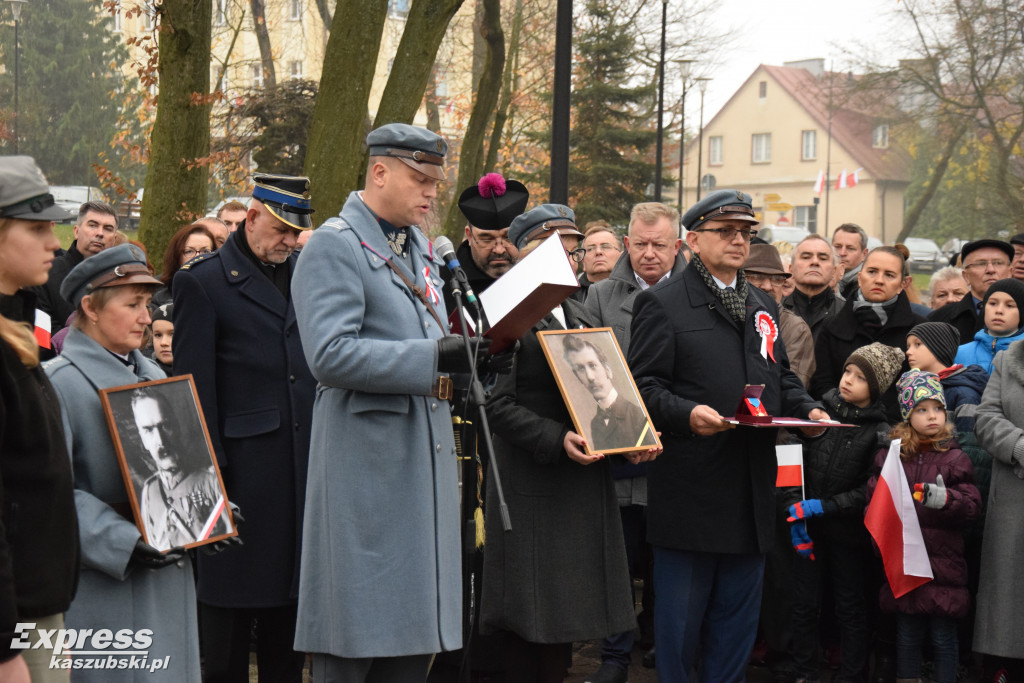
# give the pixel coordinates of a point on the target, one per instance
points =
(734, 300)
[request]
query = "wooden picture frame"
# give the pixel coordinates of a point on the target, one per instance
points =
(174, 485)
(626, 426)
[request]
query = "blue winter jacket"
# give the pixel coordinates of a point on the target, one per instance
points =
(984, 348)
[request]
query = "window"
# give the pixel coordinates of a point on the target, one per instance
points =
(117, 17)
(295, 70)
(220, 16)
(295, 10)
(809, 145)
(762, 148)
(806, 217)
(880, 136)
(715, 150)
(762, 89)
(398, 8)
(256, 74)
(148, 12)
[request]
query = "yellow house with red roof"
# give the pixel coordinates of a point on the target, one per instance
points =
(789, 128)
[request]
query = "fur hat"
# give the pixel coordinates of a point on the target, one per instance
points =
(916, 386)
(942, 339)
(880, 365)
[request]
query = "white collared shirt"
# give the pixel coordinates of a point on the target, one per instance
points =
(722, 285)
(643, 283)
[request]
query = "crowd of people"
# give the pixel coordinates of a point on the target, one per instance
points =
(328, 375)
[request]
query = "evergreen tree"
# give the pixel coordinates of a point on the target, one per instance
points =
(68, 86)
(609, 170)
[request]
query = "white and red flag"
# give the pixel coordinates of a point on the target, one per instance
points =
(42, 328)
(848, 180)
(791, 466)
(819, 184)
(892, 521)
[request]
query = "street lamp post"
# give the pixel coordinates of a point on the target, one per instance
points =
(661, 103)
(16, 9)
(702, 85)
(684, 65)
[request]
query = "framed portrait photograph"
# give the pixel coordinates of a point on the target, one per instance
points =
(169, 468)
(599, 390)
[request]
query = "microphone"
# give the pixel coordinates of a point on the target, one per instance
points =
(443, 247)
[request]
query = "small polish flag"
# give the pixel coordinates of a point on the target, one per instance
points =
(791, 465)
(853, 178)
(841, 180)
(892, 521)
(819, 185)
(42, 328)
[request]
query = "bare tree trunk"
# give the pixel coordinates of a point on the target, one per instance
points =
(180, 142)
(471, 158)
(914, 212)
(334, 156)
(511, 67)
(430, 103)
(259, 22)
(325, 12)
(424, 29)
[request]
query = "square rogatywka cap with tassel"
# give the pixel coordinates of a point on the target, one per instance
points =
(494, 202)
(416, 147)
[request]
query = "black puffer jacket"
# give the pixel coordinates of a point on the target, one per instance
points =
(837, 466)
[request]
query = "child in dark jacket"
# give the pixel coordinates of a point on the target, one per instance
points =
(945, 500)
(836, 469)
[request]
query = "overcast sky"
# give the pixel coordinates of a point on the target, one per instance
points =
(777, 31)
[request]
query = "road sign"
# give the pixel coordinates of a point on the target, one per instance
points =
(773, 197)
(781, 207)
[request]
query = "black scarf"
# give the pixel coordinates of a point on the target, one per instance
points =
(734, 300)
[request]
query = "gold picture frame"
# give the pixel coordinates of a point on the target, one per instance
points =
(174, 485)
(590, 370)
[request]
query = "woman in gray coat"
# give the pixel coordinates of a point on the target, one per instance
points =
(999, 626)
(125, 584)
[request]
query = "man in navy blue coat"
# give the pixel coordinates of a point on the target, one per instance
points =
(696, 340)
(235, 332)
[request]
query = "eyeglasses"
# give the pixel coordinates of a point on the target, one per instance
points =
(189, 252)
(983, 265)
(755, 278)
(577, 254)
(602, 247)
(729, 234)
(488, 241)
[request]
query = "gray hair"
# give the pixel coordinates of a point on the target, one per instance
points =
(943, 274)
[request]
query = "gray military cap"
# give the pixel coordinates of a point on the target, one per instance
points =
(545, 218)
(24, 192)
(124, 264)
(417, 147)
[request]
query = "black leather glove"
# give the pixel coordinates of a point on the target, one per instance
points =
(498, 363)
(146, 556)
(451, 352)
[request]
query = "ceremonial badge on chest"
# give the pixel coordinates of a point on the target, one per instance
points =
(431, 291)
(769, 332)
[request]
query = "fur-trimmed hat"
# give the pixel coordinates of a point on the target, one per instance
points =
(916, 386)
(879, 363)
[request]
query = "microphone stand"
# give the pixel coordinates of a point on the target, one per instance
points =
(469, 546)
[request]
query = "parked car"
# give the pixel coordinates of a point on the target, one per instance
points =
(71, 197)
(951, 247)
(925, 255)
(775, 233)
